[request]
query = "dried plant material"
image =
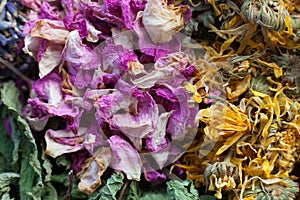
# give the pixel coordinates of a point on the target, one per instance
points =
(212, 2)
(92, 170)
(237, 67)
(224, 47)
(261, 84)
(223, 120)
(221, 176)
(229, 142)
(163, 21)
(62, 141)
(193, 89)
(285, 189)
(239, 88)
(51, 30)
(50, 59)
(259, 12)
(277, 70)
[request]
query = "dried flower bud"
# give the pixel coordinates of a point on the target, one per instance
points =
(259, 12)
(221, 176)
(260, 84)
(285, 189)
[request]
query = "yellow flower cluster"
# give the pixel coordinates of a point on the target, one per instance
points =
(249, 140)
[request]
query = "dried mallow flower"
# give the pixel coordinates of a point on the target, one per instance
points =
(163, 21)
(92, 170)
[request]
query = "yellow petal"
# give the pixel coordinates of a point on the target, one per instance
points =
(240, 88)
(288, 24)
(212, 2)
(190, 87)
(252, 197)
(277, 70)
(258, 94)
(229, 142)
(226, 44)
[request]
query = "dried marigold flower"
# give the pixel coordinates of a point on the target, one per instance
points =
(261, 13)
(285, 189)
(221, 176)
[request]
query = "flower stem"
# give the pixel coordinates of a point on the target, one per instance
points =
(16, 71)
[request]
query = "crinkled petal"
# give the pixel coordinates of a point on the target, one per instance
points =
(48, 88)
(61, 141)
(52, 30)
(92, 170)
(126, 158)
(158, 140)
(163, 21)
(148, 47)
(78, 55)
(50, 59)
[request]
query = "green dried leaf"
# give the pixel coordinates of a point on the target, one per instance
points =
(133, 192)
(5, 180)
(47, 166)
(10, 96)
(61, 178)
(76, 194)
(110, 190)
(136, 193)
(6, 143)
(25, 152)
(207, 197)
(31, 183)
(63, 181)
(63, 161)
(182, 190)
(191, 27)
(154, 194)
(49, 192)
(6, 196)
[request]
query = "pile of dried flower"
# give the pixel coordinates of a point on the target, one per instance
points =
(125, 86)
(253, 133)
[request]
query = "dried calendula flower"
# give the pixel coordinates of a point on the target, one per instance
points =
(221, 176)
(291, 67)
(206, 82)
(193, 89)
(239, 88)
(260, 84)
(285, 189)
(281, 143)
(258, 11)
(225, 122)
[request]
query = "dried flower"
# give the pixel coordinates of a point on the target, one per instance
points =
(279, 189)
(258, 11)
(221, 176)
(225, 123)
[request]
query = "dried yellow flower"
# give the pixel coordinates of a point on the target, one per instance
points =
(280, 189)
(225, 123)
(221, 176)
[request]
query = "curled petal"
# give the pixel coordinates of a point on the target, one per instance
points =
(92, 170)
(126, 158)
